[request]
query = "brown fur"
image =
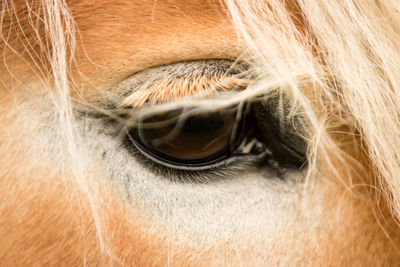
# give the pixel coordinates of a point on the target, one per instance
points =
(47, 221)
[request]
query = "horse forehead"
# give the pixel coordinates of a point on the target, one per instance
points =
(128, 36)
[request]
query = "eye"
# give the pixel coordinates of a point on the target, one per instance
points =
(182, 139)
(189, 140)
(178, 137)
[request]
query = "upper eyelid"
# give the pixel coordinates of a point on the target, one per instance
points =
(169, 89)
(174, 81)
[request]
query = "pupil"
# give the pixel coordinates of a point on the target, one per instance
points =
(186, 138)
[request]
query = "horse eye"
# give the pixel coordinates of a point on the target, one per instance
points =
(188, 140)
(178, 138)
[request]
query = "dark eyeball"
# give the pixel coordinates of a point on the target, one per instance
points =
(179, 137)
(182, 139)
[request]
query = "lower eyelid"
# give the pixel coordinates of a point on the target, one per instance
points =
(213, 166)
(231, 169)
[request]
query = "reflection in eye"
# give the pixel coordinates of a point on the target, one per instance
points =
(181, 139)
(201, 137)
